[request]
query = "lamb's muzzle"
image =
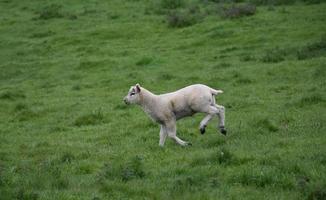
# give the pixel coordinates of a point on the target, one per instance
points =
(166, 109)
(125, 100)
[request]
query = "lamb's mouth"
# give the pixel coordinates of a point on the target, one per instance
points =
(126, 101)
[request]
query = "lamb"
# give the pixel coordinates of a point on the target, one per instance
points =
(166, 109)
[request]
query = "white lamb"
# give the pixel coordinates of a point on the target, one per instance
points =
(166, 109)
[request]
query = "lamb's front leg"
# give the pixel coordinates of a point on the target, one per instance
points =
(171, 130)
(163, 135)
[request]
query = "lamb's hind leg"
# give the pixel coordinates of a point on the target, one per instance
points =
(171, 132)
(204, 122)
(221, 115)
(220, 112)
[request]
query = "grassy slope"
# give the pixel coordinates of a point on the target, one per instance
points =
(58, 75)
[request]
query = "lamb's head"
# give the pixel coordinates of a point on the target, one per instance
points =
(133, 96)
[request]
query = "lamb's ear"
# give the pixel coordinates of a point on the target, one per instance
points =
(138, 88)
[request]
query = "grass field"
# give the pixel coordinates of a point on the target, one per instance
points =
(66, 134)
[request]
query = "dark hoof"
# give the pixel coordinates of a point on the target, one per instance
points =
(189, 144)
(223, 130)
(202, 130)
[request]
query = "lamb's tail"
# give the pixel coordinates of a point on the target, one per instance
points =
(216, 92)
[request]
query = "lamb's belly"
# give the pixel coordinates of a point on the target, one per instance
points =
(183, 113)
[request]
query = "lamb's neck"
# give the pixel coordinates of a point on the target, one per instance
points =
(148, 100)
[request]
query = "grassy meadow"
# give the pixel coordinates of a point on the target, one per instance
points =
(65, 66)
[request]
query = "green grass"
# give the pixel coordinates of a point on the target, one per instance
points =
(66, 134)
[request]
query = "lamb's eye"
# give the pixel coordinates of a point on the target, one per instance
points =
(131, 94)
